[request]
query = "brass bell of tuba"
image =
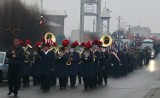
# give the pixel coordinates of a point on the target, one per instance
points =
(49, 35)
(106, 41)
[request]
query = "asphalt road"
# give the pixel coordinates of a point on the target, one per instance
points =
(134, 85)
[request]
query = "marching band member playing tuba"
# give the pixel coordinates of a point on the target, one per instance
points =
(47, 60)
(27, 64)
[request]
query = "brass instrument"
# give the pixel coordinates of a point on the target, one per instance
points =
(106, 41)
(50, 36)
(80, 54)
(94, 56)
(26, 53)
(69, 60)
(86, 54)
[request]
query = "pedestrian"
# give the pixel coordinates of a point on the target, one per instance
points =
(15, 54)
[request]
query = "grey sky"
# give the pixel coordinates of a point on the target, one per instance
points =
(134, 12)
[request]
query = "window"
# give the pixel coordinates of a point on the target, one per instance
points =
(1, 58)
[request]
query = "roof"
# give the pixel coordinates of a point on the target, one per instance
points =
(55, 12)
(105, 13)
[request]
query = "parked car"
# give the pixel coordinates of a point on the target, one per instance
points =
(3, 66)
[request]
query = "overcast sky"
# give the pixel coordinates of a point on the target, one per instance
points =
(134, 12)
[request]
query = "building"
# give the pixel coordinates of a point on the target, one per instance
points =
(55, 19)
(75, 35)
(143, 31)
(88, 36)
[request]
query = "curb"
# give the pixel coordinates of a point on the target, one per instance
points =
(151, 93)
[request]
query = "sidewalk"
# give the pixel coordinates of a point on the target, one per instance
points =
(155, 93)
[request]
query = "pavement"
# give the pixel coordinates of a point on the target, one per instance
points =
(141, 83)
(154, 93)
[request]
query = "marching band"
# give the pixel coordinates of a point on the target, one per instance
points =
(92, 63)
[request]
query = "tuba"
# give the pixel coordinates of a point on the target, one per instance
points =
(106, 41)
(27, 53)
(50, 36)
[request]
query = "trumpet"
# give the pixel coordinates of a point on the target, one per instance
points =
(69, 60)
(94, 56)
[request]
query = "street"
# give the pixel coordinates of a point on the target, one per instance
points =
(135, 85)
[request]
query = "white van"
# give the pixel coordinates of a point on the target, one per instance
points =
(148, 43)
(3, 66)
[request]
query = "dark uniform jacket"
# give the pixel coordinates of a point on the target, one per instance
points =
(87, 66)
(15, 64)
(73, 68)
(46, 62)
(61, 67)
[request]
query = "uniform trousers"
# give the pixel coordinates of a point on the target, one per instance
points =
(63, 82)
(14, 81)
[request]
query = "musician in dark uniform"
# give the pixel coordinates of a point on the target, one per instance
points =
(96, 62)
(103, 67)
(35, 70)
(61, 67)
(114, 62)
(16, 57)
(26, 64)
(80, 64)
(73, 66)
(122, 54)
(47, 60)
(87, 66)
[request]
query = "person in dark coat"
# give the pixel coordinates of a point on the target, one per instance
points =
(26, 64)
(73, 67)
(96, 55)
(87, 67)
(35, 70)
(62, 68)
(147, 55)
(15, 54)
(103, 67)
(46, 61)
(124, 61)
(114, 62)
(80, 64)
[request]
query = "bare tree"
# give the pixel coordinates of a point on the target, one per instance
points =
(20, 20)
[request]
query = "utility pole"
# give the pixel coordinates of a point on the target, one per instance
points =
(119, 22)
(93, 25)
(119, 25)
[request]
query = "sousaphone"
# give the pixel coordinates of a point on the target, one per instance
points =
(106, 41)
